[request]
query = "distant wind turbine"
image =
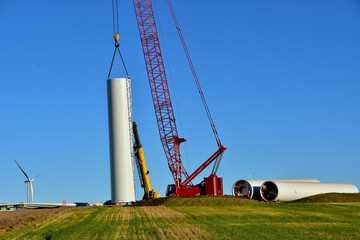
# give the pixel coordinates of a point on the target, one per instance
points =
(29, 181)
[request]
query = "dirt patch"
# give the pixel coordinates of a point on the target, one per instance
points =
(150, 202)
(17, 219)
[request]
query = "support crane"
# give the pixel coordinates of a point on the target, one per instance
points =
(141, 166)
(170, 140)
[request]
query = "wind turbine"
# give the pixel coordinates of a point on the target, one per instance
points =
(29, 181)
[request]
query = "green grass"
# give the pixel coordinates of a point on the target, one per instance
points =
(332, 198)
(197, 201)
(278, 221)
(201, 218)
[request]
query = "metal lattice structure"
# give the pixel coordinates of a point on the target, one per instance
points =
(159, 88)
(161, 96)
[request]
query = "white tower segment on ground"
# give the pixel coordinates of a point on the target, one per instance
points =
(285, 191)
(251, 187)
(121, 141)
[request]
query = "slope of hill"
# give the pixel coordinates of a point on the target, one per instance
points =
(199, 218)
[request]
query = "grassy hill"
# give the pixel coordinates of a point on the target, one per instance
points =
(200, 218)
(332, 198)
(197, 201)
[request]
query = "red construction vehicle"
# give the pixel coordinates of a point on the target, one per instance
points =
(170, 140)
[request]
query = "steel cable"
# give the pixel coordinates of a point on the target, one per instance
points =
(113, 16)
(115, 11)
(112, 62)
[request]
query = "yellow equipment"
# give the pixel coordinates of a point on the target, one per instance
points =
(142, 169)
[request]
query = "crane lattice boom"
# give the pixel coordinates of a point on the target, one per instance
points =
(161, 96)
(159, 88)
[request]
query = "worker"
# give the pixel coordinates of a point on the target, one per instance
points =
(248, 194)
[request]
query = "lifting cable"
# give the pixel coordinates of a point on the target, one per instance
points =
(194, 75)
(115, 10)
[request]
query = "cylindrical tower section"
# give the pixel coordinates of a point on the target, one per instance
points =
(120, 139)
(251, 188)
(282, 191)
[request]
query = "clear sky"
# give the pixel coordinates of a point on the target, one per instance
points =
(281, 79)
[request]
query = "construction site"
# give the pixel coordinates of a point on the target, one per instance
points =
(167, 174)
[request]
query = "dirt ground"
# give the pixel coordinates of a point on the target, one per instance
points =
(10, 220)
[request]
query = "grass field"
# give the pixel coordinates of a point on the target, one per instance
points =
(180, 219)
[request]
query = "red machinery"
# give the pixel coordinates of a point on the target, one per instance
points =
(164, 111)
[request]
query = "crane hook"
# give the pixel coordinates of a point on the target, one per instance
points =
(116, 38)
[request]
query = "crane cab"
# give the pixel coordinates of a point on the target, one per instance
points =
(171, 190)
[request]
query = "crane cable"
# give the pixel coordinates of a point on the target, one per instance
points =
(212, 124)
(115, 10)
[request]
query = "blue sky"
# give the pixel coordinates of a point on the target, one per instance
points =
(281, 79)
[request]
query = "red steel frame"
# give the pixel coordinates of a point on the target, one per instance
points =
(161, 96)
(159, 88)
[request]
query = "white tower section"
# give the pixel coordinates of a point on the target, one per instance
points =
(121, 141)
(283, 191)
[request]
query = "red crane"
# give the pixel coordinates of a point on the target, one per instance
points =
(164, 111)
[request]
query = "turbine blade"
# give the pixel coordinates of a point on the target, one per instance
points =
(38, 175)
(22, 170)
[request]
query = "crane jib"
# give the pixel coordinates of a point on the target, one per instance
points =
(211, 159)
